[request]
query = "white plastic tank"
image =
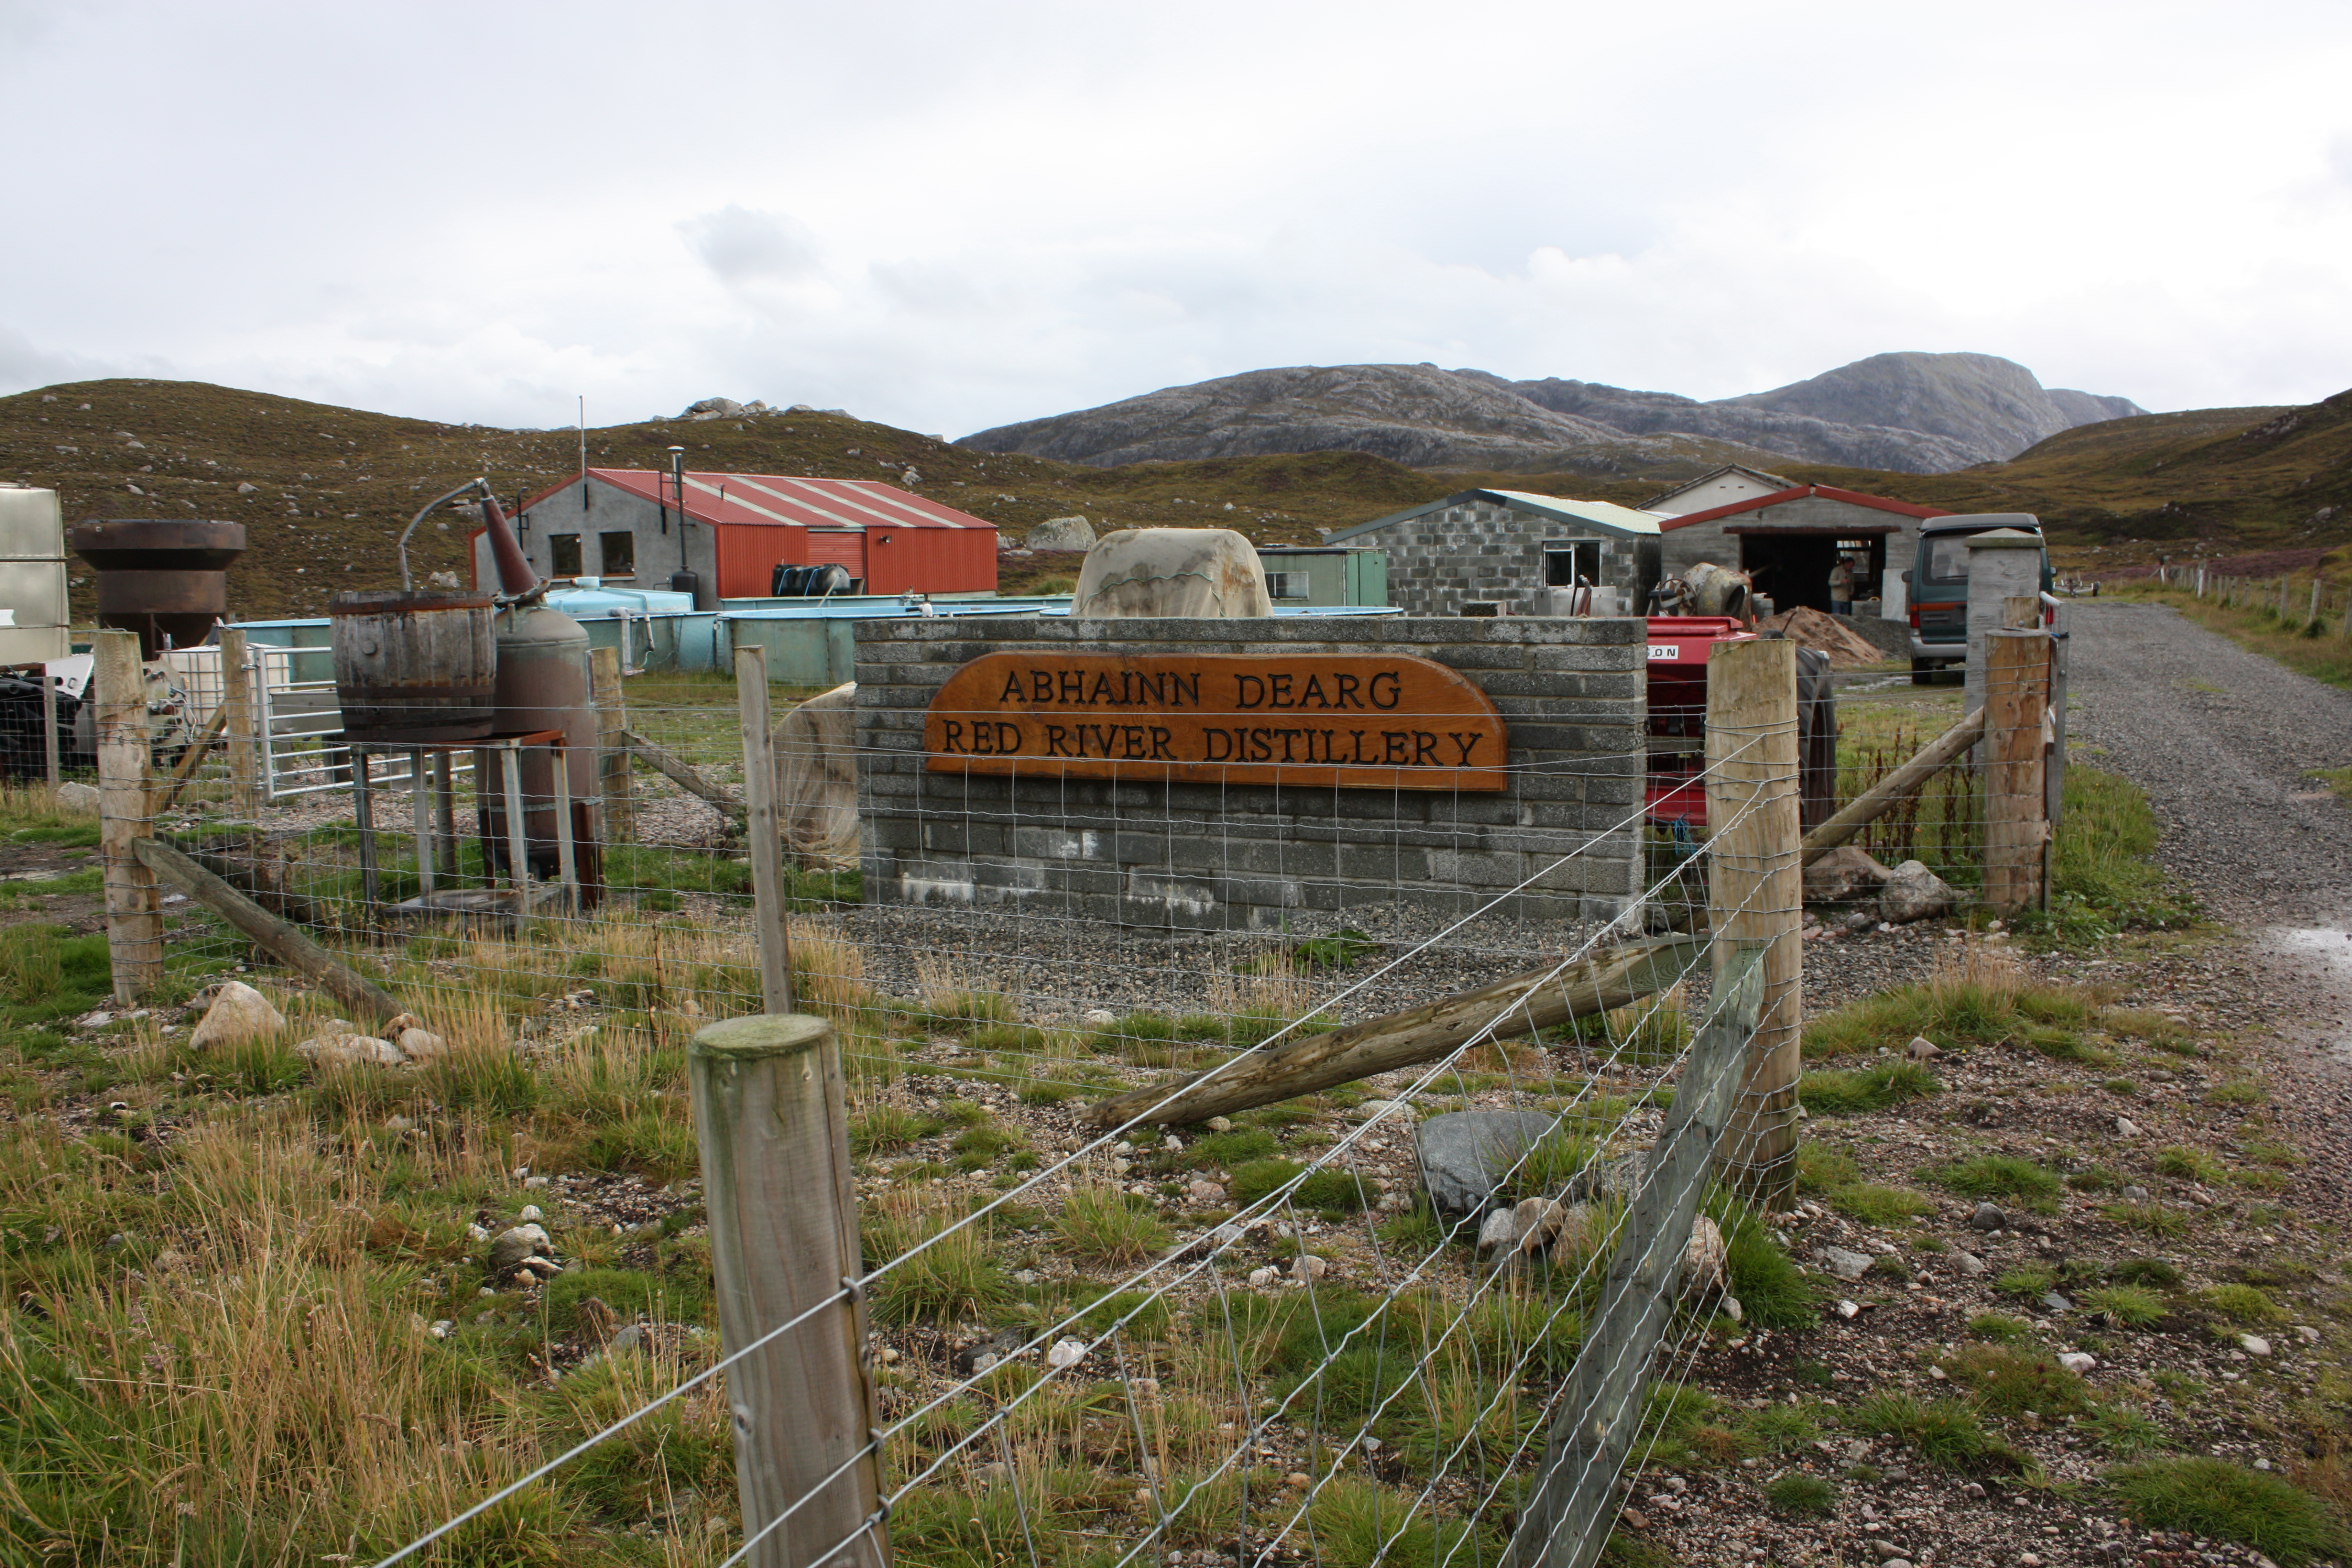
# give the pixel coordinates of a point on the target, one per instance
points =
(34, 622)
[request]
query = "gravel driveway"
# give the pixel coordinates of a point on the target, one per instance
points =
(2224, 741)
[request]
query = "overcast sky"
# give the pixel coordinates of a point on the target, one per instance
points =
(949, 217)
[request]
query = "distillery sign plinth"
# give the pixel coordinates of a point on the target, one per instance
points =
(1350, 721)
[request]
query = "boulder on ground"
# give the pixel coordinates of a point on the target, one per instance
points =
(1463, 1153)
(1842, 874)
(1060, 534)
(1201, 573)
(416, 1043)
(1916, 893)
(238, 1013)
(519, 1245)
(816, 779)
(74, 795)
(337, 1046)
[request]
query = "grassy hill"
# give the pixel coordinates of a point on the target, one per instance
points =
(324, 491)
(2214, 481)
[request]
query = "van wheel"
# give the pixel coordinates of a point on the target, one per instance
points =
(1922, 671)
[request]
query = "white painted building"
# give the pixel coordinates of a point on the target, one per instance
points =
(1723, 487)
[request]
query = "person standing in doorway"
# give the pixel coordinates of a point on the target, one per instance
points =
(1842, 586)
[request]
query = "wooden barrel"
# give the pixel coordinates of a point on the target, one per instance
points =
(415, 667)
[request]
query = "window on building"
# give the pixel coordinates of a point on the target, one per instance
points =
(616, 554)
(563, 555)
(1566, 561)
(1286, 585)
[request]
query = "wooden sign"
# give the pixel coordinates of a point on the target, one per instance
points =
(1356, 721)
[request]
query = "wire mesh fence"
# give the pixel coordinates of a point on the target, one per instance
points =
(1342, 1326)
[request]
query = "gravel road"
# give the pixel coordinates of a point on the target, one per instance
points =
(2224, 741)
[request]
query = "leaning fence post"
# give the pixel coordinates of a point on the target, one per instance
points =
(2017, 696)
(613, 779)
(134, 917)
(782, 1208)
(1756, 891)
(763, 843)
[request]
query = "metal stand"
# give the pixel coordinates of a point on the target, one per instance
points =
(433, 816)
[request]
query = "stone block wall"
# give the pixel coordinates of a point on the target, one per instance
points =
(1566, 834)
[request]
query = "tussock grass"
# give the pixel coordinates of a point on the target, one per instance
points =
(1999, 1176)
(1099, 1225)
(2010, 1381)
(1800, 1495)
(2134, 1306)
(1944, 1432)
(1978, 995)
(2211, 1497)
(1828, 1093)
(954, 1277)
(2244, 1304)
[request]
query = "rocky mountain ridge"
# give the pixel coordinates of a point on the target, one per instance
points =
(1907, 413)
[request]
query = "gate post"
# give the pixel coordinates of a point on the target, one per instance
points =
(134, 917)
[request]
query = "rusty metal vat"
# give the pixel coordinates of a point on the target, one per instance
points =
(163, 578)
(414, 666)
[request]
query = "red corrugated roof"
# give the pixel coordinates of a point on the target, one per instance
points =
(1799, 492)
(783, 500)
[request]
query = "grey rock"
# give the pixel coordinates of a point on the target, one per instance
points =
(1060, 534)
(2054, 1303)
(628, 1337)
(1842, 873)
(1500, 1232)
(74, 795)
(981, 1355)
(1463, 1153)
(712, 408)
(1969, 1264)
(1988, 1216)
(2253, 1344)
(2126, 1128)
(517, 1244)
(1915, 893)
(2134, 1193)
(1844, 1263)
(1922, 1048)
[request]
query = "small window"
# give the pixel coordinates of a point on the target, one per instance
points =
(563, 555)
(617, 553)
(1568, 560)
(1286, 585)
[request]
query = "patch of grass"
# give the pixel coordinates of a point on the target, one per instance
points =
(2270, 1152)
(1343, 949)
(885, 1128)
(1779, 1429)
(2238, 1091)
(2153, 1271)
(955, 1276)
(1223, 1150)
(1944, 1432)
(1822, 1168)
(1102, 1224)
(2190, 1164)
(1773, 1291)
(2104, 877)
(2122, 1086)
(978, 1148)
(2008, 1381)
(1999, 1329)
(2244, 1304)
(1800, 1495)
(1326, 1190)
(2031, 1282)
(2226, 1502)
(1824, 1092)
(1998, 1176)
(2153, 1219)
(2134, 1306)
(2125, 1432)
(1878, 1206)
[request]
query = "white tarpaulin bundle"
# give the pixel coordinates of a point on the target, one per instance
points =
(816, 779)
(1209, 573)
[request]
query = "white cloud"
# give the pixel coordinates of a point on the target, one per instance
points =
(951, 216)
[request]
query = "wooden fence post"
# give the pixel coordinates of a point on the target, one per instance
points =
(2017, 696)
(763, 841)
(244, 744)
(134, 917)
(1756, 891)
(52, 758)
(2318, 583)
(613, 779)
(782, 1208)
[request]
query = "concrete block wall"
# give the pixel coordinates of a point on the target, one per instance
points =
(1248, 857)
(1481, 549)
